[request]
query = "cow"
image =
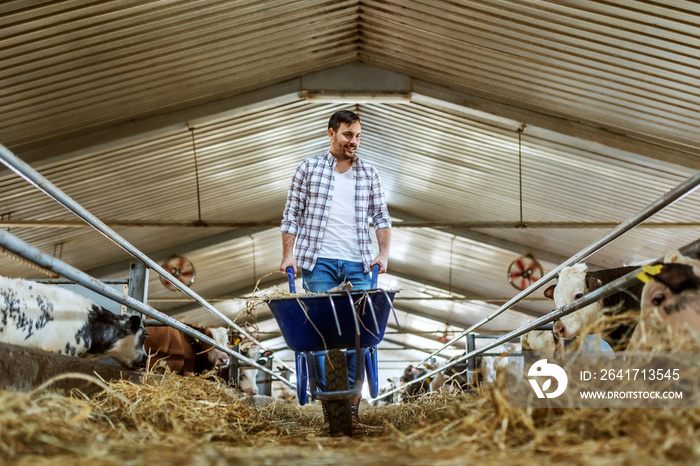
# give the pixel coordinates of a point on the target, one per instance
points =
(490, 367)
(280, 390)
(283, 393)
(415, 389)
(55, 319)
(389, 399)
(184, 354)
(619, 311)
(670, 314)
(675, 257)
(539, 340)
(246, 379)
(452, 379)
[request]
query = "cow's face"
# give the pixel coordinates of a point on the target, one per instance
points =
(673, 296)
(248, 377)
(571, 286)
(217, 358)
(247, 382)
(414, 388)
(128, 348)
(539, 340)
(409, 374)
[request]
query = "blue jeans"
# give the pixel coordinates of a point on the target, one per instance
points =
(329, 273)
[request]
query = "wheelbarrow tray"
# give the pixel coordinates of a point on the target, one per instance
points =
(308, 324)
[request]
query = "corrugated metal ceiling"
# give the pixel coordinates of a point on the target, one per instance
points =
(631, 66)
(628, 75)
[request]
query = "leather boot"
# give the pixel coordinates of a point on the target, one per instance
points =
(355, 412)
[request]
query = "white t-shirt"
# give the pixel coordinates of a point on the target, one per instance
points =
(340, 237)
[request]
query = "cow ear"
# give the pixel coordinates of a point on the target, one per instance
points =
(267, 354)
(549, 292)
(593, 283)
(677, 277)
(134, 323)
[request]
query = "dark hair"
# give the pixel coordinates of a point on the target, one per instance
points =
(342, 116)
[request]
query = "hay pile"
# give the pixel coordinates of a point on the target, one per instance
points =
(188, 420)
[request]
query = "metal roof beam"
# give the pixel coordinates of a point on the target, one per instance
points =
(133, 131)
(354, 82)
(566, 129)
(519, 249)
(117, 268)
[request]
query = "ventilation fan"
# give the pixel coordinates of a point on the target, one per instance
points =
(180, 268)
(524, 271)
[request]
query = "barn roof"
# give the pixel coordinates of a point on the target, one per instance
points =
(499, 128)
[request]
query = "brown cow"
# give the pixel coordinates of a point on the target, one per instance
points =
(181, 353)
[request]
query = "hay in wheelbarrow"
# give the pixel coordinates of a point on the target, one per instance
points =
(192, 420)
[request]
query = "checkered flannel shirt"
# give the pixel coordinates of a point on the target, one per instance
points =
(309, 202)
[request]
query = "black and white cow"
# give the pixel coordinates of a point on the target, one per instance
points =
(576, 281)
(414, 389)
(391, 385)
(452, 379)
(58, 320)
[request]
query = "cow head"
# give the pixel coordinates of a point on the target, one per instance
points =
(216, 357)
(247, 380)
(127, 345)
(416, 388)
(673, 294)
(573, 283)
(539, 340)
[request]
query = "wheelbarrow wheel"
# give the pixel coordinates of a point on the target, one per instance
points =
(339, 415)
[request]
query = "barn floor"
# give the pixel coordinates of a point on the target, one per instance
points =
(178, 420)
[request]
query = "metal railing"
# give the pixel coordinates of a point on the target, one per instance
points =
(659, 204)
(30, 253)
(32, 176)
(613, 287)
(672, 196)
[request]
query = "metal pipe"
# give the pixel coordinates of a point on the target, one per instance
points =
(30, 253)
(63, 281)
(9, 223)
(452, 299)
(621, 283)
(667, 199)
(33, 177)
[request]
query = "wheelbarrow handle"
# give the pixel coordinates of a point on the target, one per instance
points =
(290, 279)
(375, 272)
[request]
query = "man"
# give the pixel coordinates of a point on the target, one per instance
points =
(325, 230)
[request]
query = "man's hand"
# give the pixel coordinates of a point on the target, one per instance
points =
(288, 262)
(288, 253)
(383, 240)
(382, 261)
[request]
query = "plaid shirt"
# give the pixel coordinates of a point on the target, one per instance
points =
(309, 202)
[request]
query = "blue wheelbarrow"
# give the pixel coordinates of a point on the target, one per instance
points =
(323, 325)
